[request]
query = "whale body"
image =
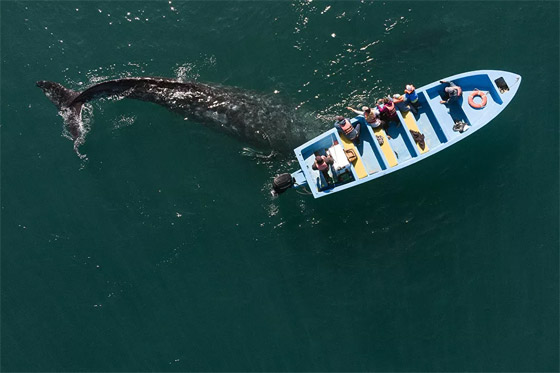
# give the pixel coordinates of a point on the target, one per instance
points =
(260, 120)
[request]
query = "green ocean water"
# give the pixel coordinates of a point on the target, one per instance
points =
(164, 251)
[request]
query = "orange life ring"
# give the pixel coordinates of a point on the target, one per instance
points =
(482, 95)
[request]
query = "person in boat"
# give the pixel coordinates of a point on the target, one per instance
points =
(451, 93)
(411, 97)
(344, 126)
(368, 115)
(402, 104)
(387, 110)
(322, 164)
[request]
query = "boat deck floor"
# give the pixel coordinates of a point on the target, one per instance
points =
(399, 142)
(410, 122)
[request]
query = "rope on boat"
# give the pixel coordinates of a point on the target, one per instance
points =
(304, 191)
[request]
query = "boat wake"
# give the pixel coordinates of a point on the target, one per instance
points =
(257, 154)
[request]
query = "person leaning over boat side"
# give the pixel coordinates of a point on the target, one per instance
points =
(380, 108)
(344, 126)
(401, 104)
(322, 164)
(387, 110)
(369, 115)
(411, 96)
(452, 93)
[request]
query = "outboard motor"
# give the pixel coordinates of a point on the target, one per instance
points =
(282, 183)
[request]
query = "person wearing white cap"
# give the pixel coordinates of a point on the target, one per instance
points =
(411, 96)
(402, 104)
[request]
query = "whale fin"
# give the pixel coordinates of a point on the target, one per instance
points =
(70, 110)
(57, 93)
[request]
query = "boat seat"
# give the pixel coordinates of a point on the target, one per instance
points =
(411, 124)
(358, 163)
(386, 147)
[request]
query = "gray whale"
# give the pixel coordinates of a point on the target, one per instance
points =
(260, 120)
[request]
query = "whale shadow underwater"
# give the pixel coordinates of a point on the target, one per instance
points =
(260, 120)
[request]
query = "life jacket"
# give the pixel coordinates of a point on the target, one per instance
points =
(347, 127)
(391, 109)
(370, 117)
(323, 166)
(376, 123)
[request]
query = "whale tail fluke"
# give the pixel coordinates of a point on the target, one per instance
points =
(57, 93)
(70, 110)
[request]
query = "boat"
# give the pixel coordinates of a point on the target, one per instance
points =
(380, 151)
